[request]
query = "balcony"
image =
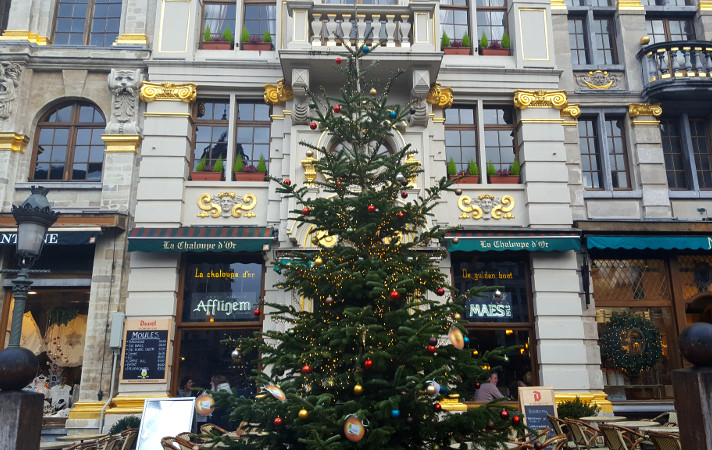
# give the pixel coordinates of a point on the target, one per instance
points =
(677, 70)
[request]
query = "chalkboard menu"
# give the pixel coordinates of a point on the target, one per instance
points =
(536, 402)
(145, 350)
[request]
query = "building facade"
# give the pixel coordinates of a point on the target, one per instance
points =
(165, 110)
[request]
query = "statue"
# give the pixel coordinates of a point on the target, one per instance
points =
(124, 86)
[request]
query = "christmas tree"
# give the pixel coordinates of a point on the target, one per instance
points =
(384, 344)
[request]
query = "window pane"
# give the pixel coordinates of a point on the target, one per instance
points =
(673, 153)
(460, 137)
(219, 17)
(617, 153)
(699, 133)
(588, 144)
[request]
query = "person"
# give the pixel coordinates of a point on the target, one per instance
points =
(526, 379)
(488, 391)
(184, 389)
(220, 417)
(220, 383)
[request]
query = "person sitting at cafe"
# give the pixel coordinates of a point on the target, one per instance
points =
(488, 391)
(186, 383)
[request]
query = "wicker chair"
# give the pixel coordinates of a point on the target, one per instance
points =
(210, 428)
(176, 443)
(665, 441)
(617, 437)
(556, 443)
(559, 427)
(585, 436)
(668, 418)
(129, 436)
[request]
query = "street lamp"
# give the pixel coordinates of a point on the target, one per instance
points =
(18, 366)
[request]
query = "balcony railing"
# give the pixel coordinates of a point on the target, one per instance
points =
(674, 64)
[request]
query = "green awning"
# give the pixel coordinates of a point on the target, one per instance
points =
(660, 242)
(486, 241)
(200, 239)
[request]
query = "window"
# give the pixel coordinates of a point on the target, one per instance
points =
(251, 141)
(491, 19)
(87, 22)
(454, 18)
(687, 152)
(592, 33)
(218, 17)
(4, 13)
(261, 17)
(604, 157)
(460, 136)
(68, 145)
(666, 29)
(500, 143)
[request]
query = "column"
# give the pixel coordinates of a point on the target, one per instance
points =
(631, 31)
(23, 21)
(134, 23)
(570, 116)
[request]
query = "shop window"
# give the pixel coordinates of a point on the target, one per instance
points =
(592, 33)
(669, 29)
(461, 136)
(454, 19)
(630, 280)
(688, 153)
(217, 18)
(604, 155)
(87, 22)
(68, 145)
(220, 294)
(500, 141)
(261, 16)
(696, 281)
(491, 20)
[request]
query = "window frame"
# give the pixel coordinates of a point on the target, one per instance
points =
(450, 28)
(489, 25)
(462, 164)
(601, 117)
(498, 127)
(88, 25)
(4, 14)
(666, 16)
(590, 14)
(690, 168)
(272, 21)
(233, 21)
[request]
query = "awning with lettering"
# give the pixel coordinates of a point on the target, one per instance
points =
(659, 242)
(200, 239)
(56, 236)
(500, 241)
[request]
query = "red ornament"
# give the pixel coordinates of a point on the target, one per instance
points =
(404, 194)
(437, 407)
(257, 312)
(287, 181)
(516, 420)
(278, 422)
(312, 125)
(504, 414)
(432, 349)
(338, 60)
(306, 211)
(440, 292)
(337, 109)
(306, 369)
(371, 209)
(395, 295)
(368, 364)
(490, 424)
(400, 215)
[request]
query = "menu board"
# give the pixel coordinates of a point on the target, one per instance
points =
(536, 402)
(145, 350)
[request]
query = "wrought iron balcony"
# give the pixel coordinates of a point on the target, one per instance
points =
(677, 70)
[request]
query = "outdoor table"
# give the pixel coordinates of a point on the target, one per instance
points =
(82, 437)
(595, 420)
(635, 424)
(54, 445)
(660, 429)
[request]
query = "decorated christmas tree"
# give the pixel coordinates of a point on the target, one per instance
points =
(384, 345)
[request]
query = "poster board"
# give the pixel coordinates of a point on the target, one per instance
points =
(164, 417)
(145, 351)
(536, 402)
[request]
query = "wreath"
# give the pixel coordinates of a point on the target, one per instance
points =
(630, 343)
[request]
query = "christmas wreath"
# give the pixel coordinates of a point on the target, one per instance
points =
(630, 343)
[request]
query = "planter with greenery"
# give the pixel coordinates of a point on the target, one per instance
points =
(256, 43)
(455, 47)
(124, 424)
(494, 48)
(504, 176)
(249, 172)
(204, 172)
(469, 176)
(223, 42)
(576, 408)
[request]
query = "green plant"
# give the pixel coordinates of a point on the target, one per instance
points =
(514, 169)
(444, 40)
(124, 424)
(490, 169)
(261, 165)
(505, 40)
(227, 34)
(201, 165)
(239, 165)
(245, 36)
(61, 316)
(466, 41)
(451, 167)
(207, 37)
(576, 408)
(484, 43)
(472, 168)
(218, 167)
(267, 37)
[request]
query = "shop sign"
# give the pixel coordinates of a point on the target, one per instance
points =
(223, 307)
(55, 238)
(488, 309)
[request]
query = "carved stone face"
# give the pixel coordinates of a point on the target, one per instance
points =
(226, 203)
(124, 80)
(486, 204)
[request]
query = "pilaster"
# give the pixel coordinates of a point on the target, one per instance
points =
(532, 32)
(24, 24)
(134, 24)
(570, 115)
(119, 160)
(703, 20)
(630, 15)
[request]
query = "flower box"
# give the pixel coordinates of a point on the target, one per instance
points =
(217, 45)
(494, 51)
(467, 179)
(206, 176)
(257, 46)
(456, 50)
(504, 179)
(249, 176)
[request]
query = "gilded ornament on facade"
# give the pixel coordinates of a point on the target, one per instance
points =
(185, 92)
(275, 95)
(571, 112)
(226, 204)
(644, 109)
(486, 207)
(309, 170)
(440, 96)
(321, 237)
(598, 79)
(414, 162)
(540, 99)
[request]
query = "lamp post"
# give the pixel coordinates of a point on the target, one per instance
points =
(18, 366)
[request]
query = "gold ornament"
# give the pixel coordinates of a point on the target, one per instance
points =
(329, 300)
(458, 191)
(318, 261)
(310, 153)
(457, 316)
(431, 390)
(373, 92)
(358, 389)
(436, 447)
(303, 414)
(455, 240)
(315, 240)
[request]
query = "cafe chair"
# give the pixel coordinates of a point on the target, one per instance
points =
(667, 419)
(617, 437)
(664, 441)
(211, 428)
(559, 427)
(129, 436)
(176, 443)
(85, 445)
(540, 434)
(585, 436)
(556, 443)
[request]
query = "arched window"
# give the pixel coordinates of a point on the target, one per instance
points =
(68, 145)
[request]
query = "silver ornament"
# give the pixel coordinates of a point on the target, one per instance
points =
(236, 355)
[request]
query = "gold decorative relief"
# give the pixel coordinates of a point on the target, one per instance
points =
(440, 96)
(630, 5)
(540, 99)
(486, 207)
(172, 92)
(226, 204)
(570, 114)
(599, 79)
(131, 39)
(23, 35)
(308, 164)
(321, 237)
(14, 142)
(275, 95)
(411, 160)
(644, 109)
